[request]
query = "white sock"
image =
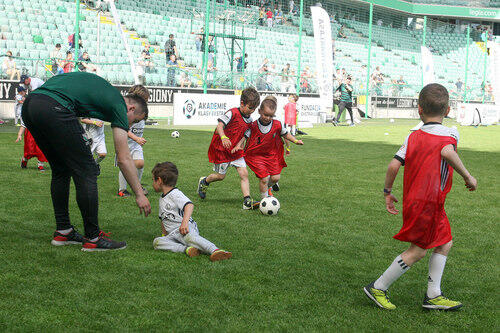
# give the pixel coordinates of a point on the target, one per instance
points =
(436, 268)
(395, 270)
(139, 173)
(65, 231)
(264, 195)
(122, 183)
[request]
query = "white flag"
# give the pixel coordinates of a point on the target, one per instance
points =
(324, 54)
(427, 66)
(495, 70)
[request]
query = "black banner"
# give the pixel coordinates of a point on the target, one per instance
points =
(158, 95)
(395, 102)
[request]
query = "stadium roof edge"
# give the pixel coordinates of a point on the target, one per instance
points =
(489, 14)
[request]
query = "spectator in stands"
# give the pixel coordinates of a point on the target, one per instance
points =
(489, 91)
(279, 16)
(239, 63)
(270, 77)
(185, 80)
(292, 81)
(199, 39)
(262, 14)
(380, 22)
(269, 15)
(401, 83)
(211, 69)
(285, 73)
(172, 70)
(68, 63)
(305, 86)
(71, 41)
(146, 62)
(147, 47)
(262, 77)
(9, 66)
(170, 47)
(459, 84)
(341, 33)
(57, 60)
(85, 64)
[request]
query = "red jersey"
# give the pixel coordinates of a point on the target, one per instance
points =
(264, 150)
(235, 125)
(427, 180)
(291, 114)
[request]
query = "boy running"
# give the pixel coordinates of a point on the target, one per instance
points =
(264, 149)
(135, 143)
(429, 156)
(31, 149)
(230, 130)
(180, 231)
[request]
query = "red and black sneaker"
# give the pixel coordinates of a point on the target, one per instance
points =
(41, 168)
(72, 238)
(24, 163)
(103, 243)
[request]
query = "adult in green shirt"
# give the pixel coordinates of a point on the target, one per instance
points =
(51, 114)
(345, 100)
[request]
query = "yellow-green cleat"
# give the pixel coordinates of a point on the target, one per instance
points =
(440, 303)
(192, 252)
(379, 297)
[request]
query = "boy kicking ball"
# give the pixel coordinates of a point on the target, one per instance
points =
(429, 156)
(264, 149)
(230, 130)
(180, 231)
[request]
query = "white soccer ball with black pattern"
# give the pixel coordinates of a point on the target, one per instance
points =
(269, 206)
(175, 134)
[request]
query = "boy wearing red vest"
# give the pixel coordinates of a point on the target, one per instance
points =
(264, 148)
(230, 130)
(429, 156)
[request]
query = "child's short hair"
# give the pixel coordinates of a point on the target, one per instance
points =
(140, 90)
(167, 172)
(250, 97)
(140, 103)
(295, 97)
(434, 100)
(269, 102)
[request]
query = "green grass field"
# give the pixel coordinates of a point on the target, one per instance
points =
(302, 270)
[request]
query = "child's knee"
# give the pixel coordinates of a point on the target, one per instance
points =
(444, 249)
(139, 164)
(275, 178)
(264, 180)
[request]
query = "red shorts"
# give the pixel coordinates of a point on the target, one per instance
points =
(263, 167)
(31, 148)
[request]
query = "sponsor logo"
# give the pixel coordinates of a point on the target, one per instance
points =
(482, 13)
(189, 108)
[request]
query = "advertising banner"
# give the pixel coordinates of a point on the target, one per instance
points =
(324, 54)
(477, 114)
(200, 109)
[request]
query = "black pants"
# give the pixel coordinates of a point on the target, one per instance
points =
(345, 105)
(60, 136)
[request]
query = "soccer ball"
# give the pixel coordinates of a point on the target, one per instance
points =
(269, 206)
(175, 134)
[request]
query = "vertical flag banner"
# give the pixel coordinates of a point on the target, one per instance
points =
(324, 55)
(427, 66)
(495, 70)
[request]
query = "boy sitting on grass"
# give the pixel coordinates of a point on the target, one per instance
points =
(429, 156)
(180, 231)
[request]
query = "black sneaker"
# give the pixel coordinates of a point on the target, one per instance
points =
(202, 187)
(124, 193)
(276, 187)
(103, 243)
(72, 238)
(249, 203)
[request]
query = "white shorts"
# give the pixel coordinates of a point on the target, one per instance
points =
(137, 154)
(99, 146)
(222, 168)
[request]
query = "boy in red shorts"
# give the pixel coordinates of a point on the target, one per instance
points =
(231, 128)
(429, 156)
(264, 148)
(30, 148)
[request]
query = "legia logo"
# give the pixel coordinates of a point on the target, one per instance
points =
(189, 108)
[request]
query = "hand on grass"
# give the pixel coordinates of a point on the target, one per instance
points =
(471, 183)
(390, 199)
(19, 137)
(299, 142)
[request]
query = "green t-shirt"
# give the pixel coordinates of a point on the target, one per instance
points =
(345, 95)
(88, 95)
